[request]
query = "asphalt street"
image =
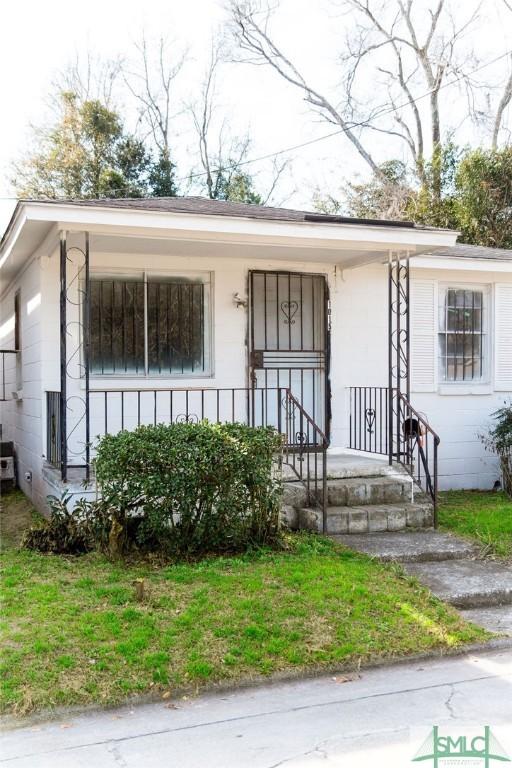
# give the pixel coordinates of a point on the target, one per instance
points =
(378, 719)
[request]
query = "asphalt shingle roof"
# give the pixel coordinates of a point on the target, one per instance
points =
(205, 206)
(463, 251)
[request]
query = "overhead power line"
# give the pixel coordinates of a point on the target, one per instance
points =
(361, 124)
(337, 132)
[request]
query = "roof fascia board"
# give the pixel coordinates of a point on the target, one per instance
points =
(461, 263)
(16, 225)
(45, 248)
(172, 222)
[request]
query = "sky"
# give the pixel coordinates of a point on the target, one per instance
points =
(41, 37)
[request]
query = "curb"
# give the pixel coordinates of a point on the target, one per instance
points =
(11, 722)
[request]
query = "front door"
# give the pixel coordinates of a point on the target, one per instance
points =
(288, 337)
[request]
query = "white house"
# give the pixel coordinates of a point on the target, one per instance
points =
(349, 335)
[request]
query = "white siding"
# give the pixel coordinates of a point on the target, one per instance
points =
(461, 412)
(503, 326)
(423, 335)
(21, 419)
(359, 349)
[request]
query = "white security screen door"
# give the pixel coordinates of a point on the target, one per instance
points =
(288, 337)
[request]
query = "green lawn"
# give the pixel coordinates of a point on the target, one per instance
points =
(74, 633)
(484, 516)
(16, 514)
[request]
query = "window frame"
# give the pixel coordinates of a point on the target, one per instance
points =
(18, 340)
(486, 334)
(207, 278)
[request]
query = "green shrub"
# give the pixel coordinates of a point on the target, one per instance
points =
(499, 440)
(66, 532)
(188, 488)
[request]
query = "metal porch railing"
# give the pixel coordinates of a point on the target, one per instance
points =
(397, 430)
(113, 410)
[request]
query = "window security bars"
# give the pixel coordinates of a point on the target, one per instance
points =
(148, 327)
(53, 441)
(462, 335)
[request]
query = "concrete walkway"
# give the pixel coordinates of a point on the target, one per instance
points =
(450, 568)
(380, 719)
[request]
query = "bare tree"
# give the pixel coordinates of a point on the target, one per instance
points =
(90, 77)
(223, 156)
(503, 103)
(202, 114)
(251, 27)
(506, 98)
(408, 48)
(151, 82)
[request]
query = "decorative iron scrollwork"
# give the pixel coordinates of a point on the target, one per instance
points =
(289, 310)
(187, 418)
(301, 440)
(399, 321)
(370, 416)
(74, 435)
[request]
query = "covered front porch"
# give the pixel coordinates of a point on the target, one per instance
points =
(258, 346)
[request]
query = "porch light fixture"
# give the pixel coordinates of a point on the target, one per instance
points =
(238, 301)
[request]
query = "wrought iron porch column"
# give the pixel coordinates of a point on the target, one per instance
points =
(399, 378)
(87, 348)
(63, 357)
(74, 363)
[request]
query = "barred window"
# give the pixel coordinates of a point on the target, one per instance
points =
(462, 334)
(176, 334)
(149, 325)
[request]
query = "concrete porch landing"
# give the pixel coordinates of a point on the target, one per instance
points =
(341, 464)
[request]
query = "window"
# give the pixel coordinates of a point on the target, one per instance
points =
(17, 340)
(150, 325)
(463, 337)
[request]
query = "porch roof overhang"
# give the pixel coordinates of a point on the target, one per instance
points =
(344, 242)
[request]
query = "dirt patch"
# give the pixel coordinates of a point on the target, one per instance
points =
(16, 515)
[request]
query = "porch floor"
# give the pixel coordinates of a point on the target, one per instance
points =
(343, 464)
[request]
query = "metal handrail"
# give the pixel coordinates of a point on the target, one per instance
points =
(381, 424)
(304, 438)
(310, 420)
(416, 439)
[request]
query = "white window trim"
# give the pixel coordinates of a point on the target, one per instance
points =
(471, 386)
(146, 375)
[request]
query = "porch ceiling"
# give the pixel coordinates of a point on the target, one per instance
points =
(346, 254)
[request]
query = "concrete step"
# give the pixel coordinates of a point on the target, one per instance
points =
(294, 494)
(410, 547)
(466, 583)
(497, 618)
(362, 491)
(351, 492)
(369, 518)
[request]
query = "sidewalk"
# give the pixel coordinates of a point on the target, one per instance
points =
(379, 720)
